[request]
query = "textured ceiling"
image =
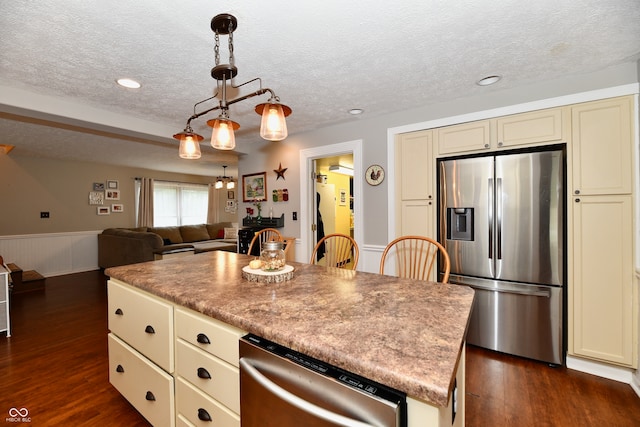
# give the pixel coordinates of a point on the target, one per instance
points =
(321, 59)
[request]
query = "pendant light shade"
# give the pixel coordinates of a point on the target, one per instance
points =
(223, 135)
(189, 144)
(273, 126)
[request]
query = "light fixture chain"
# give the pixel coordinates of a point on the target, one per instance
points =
(231, 58)
(217, 49)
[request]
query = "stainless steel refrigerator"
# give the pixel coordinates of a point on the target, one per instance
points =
(502, 221)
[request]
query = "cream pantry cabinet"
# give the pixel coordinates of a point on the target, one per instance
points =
(603, 278)
(416, 163)
(601, 317)
(532, 128)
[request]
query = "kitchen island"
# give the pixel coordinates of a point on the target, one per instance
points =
(406, 334)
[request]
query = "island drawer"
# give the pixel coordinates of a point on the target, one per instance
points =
(209, 334)
(215, 377)
(144, 322)
(197, 407)
(148, 388)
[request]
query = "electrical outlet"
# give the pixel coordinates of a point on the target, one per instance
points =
(295, 216)
(44, 214)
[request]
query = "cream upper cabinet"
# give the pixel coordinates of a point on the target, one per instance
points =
(526, 129)
(531, 128)
(601, 317)
(414, 154)
(472, 136)
(602, 150)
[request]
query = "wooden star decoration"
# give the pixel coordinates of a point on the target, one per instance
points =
(280, 172)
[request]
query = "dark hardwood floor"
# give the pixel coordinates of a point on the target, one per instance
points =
(55, 365)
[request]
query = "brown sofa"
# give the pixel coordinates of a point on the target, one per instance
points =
(123, 246)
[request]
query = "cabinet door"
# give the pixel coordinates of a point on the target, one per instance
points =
(417, 218)
(602, 150)
(530, 128)
(415, 156)
(466, 137)
(603, 278)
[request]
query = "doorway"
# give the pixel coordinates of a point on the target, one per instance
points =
(314, 163)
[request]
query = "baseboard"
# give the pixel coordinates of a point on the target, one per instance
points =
(620, 374)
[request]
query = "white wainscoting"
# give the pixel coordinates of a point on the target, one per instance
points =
(52, 254)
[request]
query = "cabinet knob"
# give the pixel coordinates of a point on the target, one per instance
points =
(149, 329)
(203, 339)
(204, 374)
(119, 368)
(203, 415)
(577, 200)
(119, 312)
(486, 145)
(150, 397)
(577, 192)
(500, 144)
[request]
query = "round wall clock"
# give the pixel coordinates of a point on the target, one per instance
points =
(374, 175)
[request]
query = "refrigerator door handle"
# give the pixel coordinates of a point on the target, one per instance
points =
(499, 212)
(490, 215)
(546, 293)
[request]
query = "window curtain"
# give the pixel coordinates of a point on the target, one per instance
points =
(212, 211)
(145, 203)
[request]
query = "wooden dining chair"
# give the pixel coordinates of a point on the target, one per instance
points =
(264, 235)
(340, 251)
(416, 257)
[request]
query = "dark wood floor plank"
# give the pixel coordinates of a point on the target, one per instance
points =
(55, 364)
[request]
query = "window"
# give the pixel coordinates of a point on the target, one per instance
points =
(179, 204)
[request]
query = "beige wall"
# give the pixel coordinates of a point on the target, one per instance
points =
(29, 186)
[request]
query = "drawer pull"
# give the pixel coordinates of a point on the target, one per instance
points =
(203, 415)
(149, 329)
(203, 339)
(204, 374)
(150, 396)
(119, 312)
(119, 368)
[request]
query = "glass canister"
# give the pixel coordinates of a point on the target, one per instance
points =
(272, 256)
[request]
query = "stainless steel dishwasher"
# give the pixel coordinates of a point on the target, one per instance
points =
(281, 387)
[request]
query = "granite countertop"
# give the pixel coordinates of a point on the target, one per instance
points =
(399, 332)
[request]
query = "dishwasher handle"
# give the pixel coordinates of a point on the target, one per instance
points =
(296, 401)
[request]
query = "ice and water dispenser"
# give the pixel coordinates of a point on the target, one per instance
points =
(460, 224)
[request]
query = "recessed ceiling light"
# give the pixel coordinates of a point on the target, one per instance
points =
(356, 111)
(488, 80)
(128, 83)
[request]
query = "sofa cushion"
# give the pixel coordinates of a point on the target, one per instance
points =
(171, 233)
(230, 233)
(214, 229)
(194, 233)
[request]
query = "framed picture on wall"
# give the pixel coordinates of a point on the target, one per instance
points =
(112, 195)
(231, 195)
(98, 186)
(103, 210)
(96, 197)
(112, 184)
(343, 197)
(254, 187)
(117, 208)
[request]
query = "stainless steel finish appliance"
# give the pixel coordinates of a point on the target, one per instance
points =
(281, 387)
(502, 220)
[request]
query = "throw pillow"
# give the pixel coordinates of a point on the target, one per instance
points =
(230, 233)
(220, 234)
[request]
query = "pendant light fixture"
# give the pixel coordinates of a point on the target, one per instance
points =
(222, 179)
(273, 126)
